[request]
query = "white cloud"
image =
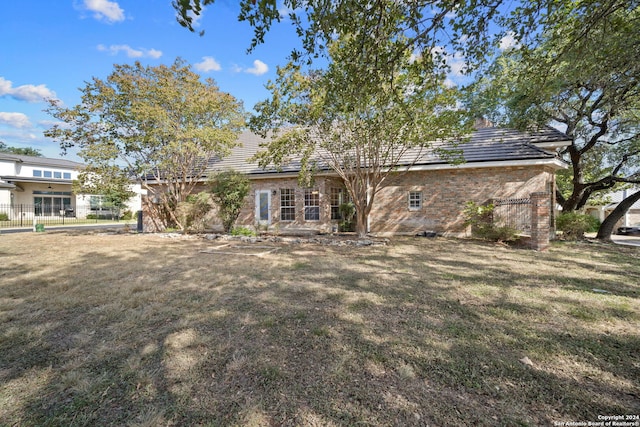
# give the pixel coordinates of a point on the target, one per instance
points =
(105, 10)
(259, 68)
(154, 53)
(29, 93)
(508, 42)
(114, 49)
(16, 120)
(208, 64)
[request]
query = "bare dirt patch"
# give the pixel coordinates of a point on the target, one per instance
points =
(125, 329)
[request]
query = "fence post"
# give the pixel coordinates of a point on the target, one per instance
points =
(140, 228)
(540, 220)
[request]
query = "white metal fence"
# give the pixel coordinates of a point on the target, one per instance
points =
(26, 215)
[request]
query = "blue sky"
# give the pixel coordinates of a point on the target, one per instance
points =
(50, 48)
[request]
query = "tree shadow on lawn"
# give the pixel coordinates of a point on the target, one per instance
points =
(166, 335)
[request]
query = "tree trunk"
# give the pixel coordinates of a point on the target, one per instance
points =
(606, 228)
(362, 222)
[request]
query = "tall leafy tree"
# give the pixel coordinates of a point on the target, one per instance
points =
(161, 125)
(589, 89)
(471, 26)
(363, 124)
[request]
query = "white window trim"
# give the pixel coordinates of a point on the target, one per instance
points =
(419, 200)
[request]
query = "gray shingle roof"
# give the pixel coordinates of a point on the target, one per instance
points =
(41, 161)
(484, 145)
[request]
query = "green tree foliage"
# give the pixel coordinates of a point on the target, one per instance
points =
(27, 151)
(471, 27)
(365, 125)
(480, 218)
(160, 125)
(229, 189)
(109, 181)
(574, 224)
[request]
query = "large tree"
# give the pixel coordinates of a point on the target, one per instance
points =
(364, 124)
(160, 125)
(470, 26)
(589, 89)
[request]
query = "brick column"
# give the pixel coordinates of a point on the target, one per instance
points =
(540, 220)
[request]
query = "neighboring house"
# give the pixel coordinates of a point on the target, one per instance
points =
(41, 182)
(42, 187)
(602, 211)
(431, 195)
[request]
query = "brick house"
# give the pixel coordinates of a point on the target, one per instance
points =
(430, 195)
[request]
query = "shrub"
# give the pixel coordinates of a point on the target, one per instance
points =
(594, 224)
(574, 224)
(243, 231)
(192, 212)
(229, 189)
(127, 215)
(347, 212)
(480, 218)
(4, 216)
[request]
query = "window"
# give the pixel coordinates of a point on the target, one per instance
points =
(96, 202)
(415, 200)
(51, 206)
(66, 175)
(311, 205)
(47, 174)
(37, 173)
(337, 198)
(57, 175)
(287, 204)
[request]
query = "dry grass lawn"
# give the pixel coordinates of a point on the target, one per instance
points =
(141, 330)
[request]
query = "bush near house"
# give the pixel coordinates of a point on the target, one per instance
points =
(480, 218)
(229, 190)
(574, 224)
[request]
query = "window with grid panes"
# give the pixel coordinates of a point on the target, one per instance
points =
(287, 204)
(337, 198)
(415, 200)
(311, 205)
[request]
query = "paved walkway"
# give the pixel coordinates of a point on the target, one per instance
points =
(119, 224)
(626, 240)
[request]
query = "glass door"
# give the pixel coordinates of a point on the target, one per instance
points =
(263, 207)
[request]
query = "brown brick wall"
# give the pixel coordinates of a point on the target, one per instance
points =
(445, 194)
(541, 208)
(273, 185)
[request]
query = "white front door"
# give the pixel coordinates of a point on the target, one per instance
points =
(263, 207)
